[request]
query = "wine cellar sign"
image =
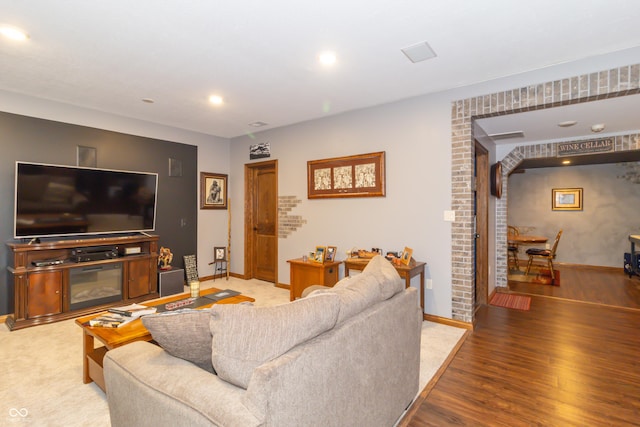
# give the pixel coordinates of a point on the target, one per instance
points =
(585, 147)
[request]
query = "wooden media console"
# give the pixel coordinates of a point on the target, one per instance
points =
(41, 276)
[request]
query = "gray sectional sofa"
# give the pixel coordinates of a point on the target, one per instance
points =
(342, 356)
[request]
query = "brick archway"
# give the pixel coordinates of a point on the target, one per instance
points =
(584, 88)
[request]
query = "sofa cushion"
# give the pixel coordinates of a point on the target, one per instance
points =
(245, 337)
(356, 293)
(184, 334)
(389, 280)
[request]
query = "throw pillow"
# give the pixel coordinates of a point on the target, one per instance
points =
(357, 294)
(184, 334)
(245, 337)
(390, 281)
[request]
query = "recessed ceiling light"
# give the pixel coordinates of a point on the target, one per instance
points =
(148, 100)
(597, 128)
(327, 58)
(216, 99)
(13, 33)
(257, 124)
(567, 124)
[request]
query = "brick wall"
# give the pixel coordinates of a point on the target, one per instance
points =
(287, 224)
(588, 87)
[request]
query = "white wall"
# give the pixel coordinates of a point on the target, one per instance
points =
(415, 134)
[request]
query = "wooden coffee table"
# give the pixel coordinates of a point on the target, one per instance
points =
(134, 331)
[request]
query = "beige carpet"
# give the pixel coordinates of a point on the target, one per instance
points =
(41, 367)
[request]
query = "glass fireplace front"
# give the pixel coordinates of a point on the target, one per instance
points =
(95, 285)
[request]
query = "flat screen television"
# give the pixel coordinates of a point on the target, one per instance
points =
(53, 200)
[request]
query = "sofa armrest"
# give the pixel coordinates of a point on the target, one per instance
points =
(146, 386)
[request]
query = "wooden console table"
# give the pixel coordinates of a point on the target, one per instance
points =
(405, 271)
(305, 273)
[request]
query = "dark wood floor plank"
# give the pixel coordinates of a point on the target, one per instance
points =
(562, 363)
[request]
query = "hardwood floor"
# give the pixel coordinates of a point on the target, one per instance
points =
(598, 285)
(562, 363)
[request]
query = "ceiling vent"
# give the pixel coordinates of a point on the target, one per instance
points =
(419, 52)
(506, 135)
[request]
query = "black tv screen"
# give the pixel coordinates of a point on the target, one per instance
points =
(52, 200)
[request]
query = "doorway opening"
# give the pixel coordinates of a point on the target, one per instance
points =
(612, 83)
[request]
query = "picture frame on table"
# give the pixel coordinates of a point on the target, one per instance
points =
(213, 190)
(330, 255)
(566, 199)
(219, 253)
(406, 256)
(319, 254)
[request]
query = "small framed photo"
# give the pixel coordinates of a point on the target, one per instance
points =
(331, 254)
(566, 199)
(213, 190)
(220, 253)
(319, 254)
(406, 256)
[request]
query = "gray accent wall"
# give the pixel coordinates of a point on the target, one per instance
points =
(45, 141)
(597, 235)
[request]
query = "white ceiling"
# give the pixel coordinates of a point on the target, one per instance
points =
(619, 115)
(261, 55)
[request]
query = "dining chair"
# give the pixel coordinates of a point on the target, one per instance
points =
(512, 248)
(548, 254)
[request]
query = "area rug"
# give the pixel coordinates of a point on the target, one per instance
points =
(539, 276)
(517, 302)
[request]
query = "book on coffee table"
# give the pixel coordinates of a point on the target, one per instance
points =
(220, 295)
(132, 310)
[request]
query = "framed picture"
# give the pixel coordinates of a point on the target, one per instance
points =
(362, 175)
(220, 253)
(260, 150)
(213, 191)
(566, 199)
(331, 254)
(406, 256)
(319, 254)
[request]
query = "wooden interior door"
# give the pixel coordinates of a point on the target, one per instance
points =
(261, 222)
(481, 207)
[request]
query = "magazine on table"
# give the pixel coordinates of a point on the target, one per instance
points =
(111, 320)
(133, 310)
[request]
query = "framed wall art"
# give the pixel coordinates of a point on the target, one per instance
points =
(213, 190)
(362, 175)
(566, 199)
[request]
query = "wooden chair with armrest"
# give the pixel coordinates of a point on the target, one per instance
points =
(547, 254)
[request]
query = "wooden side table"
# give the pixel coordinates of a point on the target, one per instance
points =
(405, 271)
(307, 273)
